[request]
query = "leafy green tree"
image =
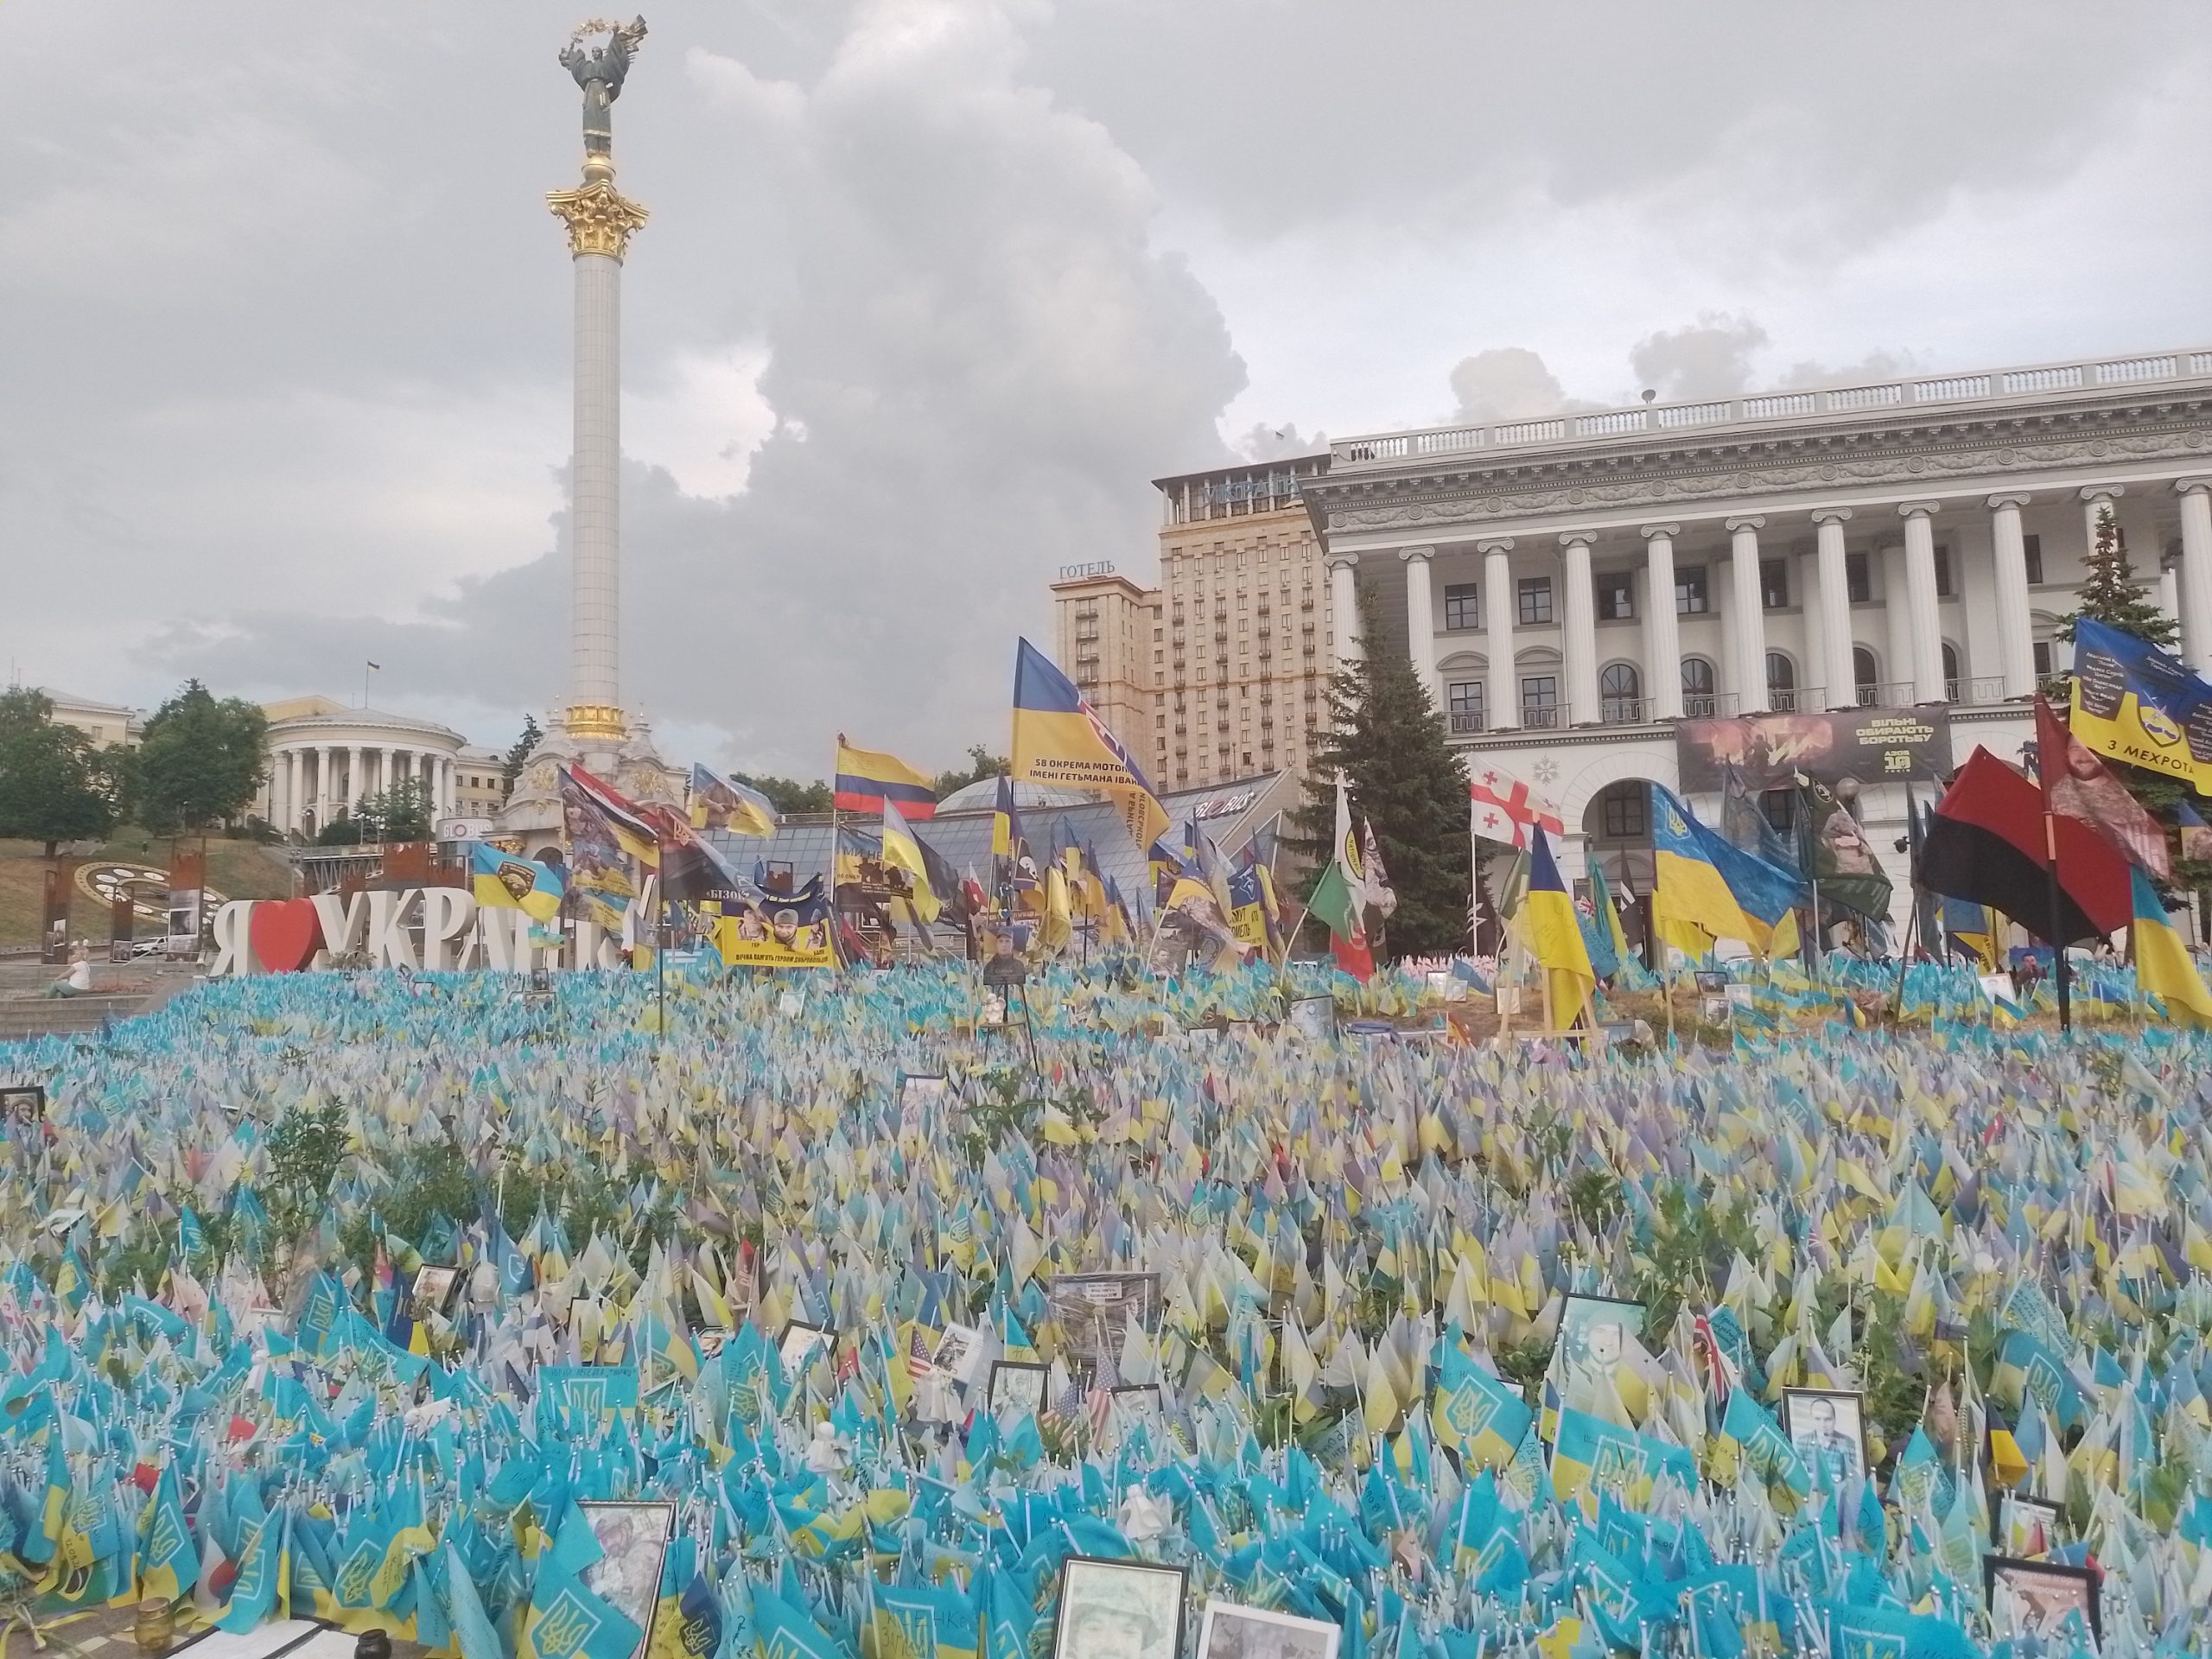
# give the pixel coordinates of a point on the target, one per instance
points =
(982, 764)
(400, 813)
(519, 752)
(1389, 740)
(343, 830)
(55, 787)
(788, 794)
(200, 760)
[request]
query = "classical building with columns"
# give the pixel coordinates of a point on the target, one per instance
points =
(1568, 586)
(326, 758)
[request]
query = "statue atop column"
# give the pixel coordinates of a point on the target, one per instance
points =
(600, 73)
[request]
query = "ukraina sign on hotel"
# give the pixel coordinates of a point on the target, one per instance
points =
(1867, 746)
(436, 929)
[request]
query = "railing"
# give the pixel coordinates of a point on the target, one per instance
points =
(1465, 723)
(1542, 716)
(1977, 386)
(1624, 711)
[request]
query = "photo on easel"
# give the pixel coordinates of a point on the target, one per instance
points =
(1119, 1610)
(2042, 1599)
(23, 1103)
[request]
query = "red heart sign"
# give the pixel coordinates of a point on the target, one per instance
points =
(284, 934)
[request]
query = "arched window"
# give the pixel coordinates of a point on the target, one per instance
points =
(1698, 689)
(1620, 693)
(1625, 810)
(1867, 676)
(1781, 683)
(1952, 687)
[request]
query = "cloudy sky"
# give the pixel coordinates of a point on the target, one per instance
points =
(932, 288)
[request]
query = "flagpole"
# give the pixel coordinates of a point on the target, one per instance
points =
(2062, 976)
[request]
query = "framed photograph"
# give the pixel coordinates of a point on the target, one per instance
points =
(1118, 1610)
(917, 1094)
(1017, 1386)
(2040, 1595)
(434, 1288)
(1095, 1310)
(1233, 1632)
(710, 1339)
(634, 1537)
(1828, 1428)
(800, 1343)
(957, 1353)
(1593, 1333)
(22, 1102)
(1710, 982)
(992, 1012)
(1314, 1018)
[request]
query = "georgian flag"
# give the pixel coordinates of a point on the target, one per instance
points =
(1502, 808)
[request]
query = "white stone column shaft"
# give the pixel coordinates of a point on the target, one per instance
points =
(1580, 637)
(1503, 696)
(2196, 573)
(321, 785)
(1831, 652)
(1747, 614)
(2016, 645)
(1420, 617)
(1662, 634)
(1922, 606)
(290, 821)
(594, 480)
(1343, 606)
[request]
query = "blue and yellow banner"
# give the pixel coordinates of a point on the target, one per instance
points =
(1060, 739)
(720, 802)
(2142, 705)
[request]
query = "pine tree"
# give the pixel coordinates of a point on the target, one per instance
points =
(2112, 595)
(518, 754)
(1389, 742)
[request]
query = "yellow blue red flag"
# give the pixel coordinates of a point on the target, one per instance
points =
(868, 778)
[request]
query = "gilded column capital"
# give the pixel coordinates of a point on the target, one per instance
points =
(599, 218)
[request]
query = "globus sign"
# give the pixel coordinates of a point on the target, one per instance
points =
(437, 929)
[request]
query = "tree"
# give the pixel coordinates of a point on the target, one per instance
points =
(518, 753)
(982, 764)
(788, 794)
(55, 787)
(2112, 595)
(200, 760)
(400, 813)
(341, 831)
(1389, 742)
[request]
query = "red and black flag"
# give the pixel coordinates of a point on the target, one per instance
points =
(1984, 843)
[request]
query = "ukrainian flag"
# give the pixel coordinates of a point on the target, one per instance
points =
(2163, 968)
(1006, 824)
(902, 852)
(1475, 1414)
(867, 778)
(1553, 929)
(505, 882)
(1060, 739)
(1707, 884)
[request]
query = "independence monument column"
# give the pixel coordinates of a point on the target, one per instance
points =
(599, 220)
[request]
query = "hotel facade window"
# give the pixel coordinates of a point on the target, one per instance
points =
(1462, 607)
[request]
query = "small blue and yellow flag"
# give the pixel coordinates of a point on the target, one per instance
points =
(504, 881)
(2163, 968)
(1475, 1414)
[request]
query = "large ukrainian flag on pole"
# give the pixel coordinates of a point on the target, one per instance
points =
(2163, 968)
(1060, 739)
(1707, 886)
(1553, 932)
